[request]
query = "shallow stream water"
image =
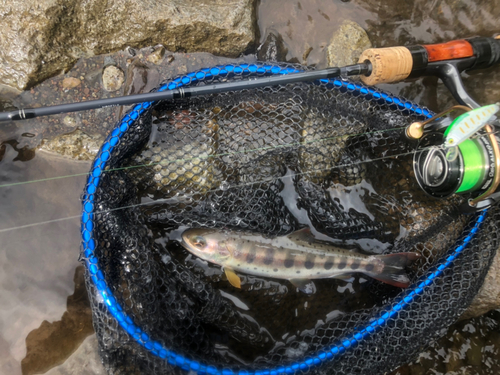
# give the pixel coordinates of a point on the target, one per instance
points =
(41, 299)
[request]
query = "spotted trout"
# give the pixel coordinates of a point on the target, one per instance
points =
(297, 257)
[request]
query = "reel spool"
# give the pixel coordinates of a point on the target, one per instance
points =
(458, 161)
(472, 171)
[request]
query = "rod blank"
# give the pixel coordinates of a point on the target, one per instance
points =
(21, 114)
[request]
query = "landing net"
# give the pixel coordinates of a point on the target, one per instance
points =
(330, 155)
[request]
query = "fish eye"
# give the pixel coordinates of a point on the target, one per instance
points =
(199, 242)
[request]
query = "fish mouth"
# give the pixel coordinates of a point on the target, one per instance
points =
(185, 239)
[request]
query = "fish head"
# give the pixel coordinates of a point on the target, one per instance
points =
(207, 244)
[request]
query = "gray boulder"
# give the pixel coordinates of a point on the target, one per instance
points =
(39, 39)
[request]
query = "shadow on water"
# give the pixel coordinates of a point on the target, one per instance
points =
(51, 343)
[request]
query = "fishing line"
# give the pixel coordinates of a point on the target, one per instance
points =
(266, 148)
(163, 200)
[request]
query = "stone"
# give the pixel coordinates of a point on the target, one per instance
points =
(157, 55)
(7, 97)
(76, 145)
(39, 39)
(112, 78)
(70, 82)
(273, 49)
(347, 44)
(69, 121)
(488, 297)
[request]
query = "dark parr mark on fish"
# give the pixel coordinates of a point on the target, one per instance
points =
(251, 255)
(309, 263)
(269, 258)
(342, 264)
(289, 262)
(328, 264)
(369, 267)
(354, 266)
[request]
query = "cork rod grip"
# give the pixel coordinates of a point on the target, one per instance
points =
(388, 64)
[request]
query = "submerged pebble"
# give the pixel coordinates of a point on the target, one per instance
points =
(70, 82)
(69, 121)
(112, 78)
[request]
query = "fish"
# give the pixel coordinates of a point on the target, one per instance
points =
(297, 257)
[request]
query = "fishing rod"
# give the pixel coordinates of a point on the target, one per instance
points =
(471, 166)
(375, 66)
(180, 93)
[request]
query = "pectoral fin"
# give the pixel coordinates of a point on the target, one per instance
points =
(233, 279)
(304, 285)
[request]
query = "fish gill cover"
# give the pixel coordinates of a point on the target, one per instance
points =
(330, 156)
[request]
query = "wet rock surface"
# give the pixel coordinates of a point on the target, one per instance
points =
(488, 297)
(41, 39)
(398, 23)
(469, 347)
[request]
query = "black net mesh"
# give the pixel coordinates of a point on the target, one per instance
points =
(329, 155)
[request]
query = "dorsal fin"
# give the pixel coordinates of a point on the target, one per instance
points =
(301, 235)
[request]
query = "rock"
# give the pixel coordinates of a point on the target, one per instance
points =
(70, 82)
(39, 39)
(112, 78)
(7, 97)
(488, 297)
(157, 56)
(140, 78)
(76, 145)
(69, 121)
(273, 49)
(347, 44)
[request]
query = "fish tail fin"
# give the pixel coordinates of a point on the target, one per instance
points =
(393, 271)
